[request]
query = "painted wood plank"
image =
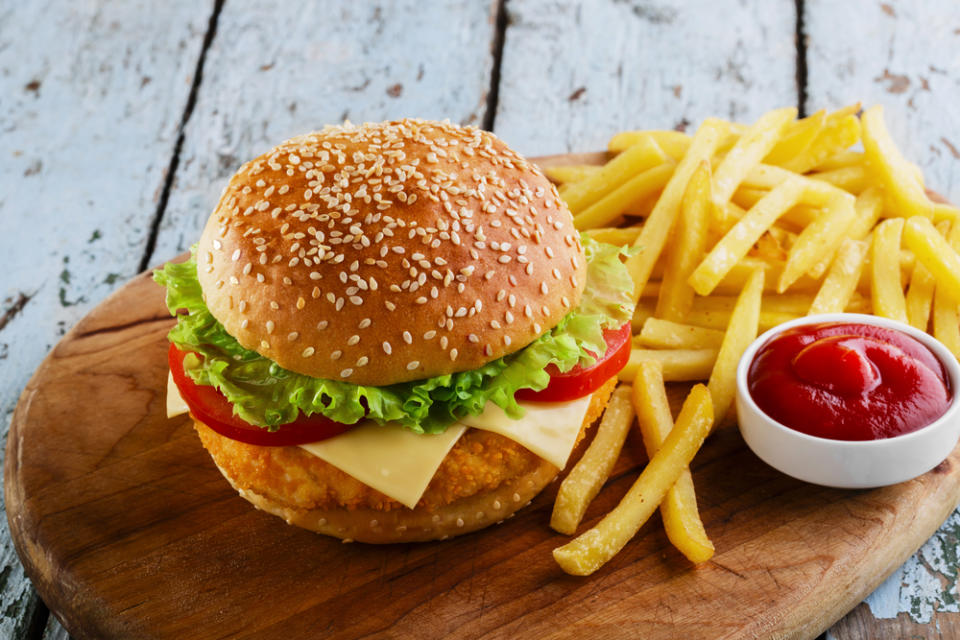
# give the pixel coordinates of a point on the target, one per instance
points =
(574, 73)
(92, 95)
(904, 55)
(278, 69)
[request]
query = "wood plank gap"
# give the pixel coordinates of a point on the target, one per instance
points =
(38, 621)
(496, 46)
(801, 37)
(181, 128)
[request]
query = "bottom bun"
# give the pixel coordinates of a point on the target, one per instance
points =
(385, 521)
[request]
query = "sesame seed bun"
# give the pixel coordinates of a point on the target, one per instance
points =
(484, 479)
(389, 252)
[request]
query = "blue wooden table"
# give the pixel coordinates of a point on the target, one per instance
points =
(121, 121)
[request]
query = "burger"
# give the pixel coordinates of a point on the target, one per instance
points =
(393, 332)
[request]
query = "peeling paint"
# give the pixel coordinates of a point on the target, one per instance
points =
(927, 583)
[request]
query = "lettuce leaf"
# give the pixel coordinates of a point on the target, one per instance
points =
(265, 394)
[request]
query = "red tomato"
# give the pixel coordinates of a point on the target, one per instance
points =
(210, 406)
(581, 381)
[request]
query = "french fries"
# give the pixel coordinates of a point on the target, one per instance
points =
(742, 330)
(841, 281)
(642, 156)
(649, 244)
(748, 151)
(592, 549)
(678, 365)
(934, 252)
(735, 245)
(586, 478)
(895, 174)
(676, 295)
(744, 228)
(679, 507)
(885, 289)
(664, 334)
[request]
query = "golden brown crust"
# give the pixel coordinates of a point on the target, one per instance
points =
(389, 252)
(483, 479)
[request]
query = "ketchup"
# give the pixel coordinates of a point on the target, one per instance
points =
(849, 381)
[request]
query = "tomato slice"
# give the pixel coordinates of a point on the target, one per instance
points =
(581, 381)
(212, 408)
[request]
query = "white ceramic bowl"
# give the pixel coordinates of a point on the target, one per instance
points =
(841, 463)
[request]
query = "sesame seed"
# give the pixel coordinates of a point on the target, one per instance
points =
(270, 326)
(346, 373)
(387, 349)
(354, 339)
(413, 364)
(407, 337)
(335, 355)
(362, 361)
(322, 325)
(309, 351)
(453, 354)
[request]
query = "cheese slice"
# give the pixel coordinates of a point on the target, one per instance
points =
(548, 429)
(175, 404)
(389, 458)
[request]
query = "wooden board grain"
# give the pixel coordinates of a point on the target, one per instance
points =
(128, 531)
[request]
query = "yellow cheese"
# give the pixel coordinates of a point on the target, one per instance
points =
(548, 429)
(395, 461)
(175, 404)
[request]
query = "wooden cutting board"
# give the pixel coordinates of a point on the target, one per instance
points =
(128, 531)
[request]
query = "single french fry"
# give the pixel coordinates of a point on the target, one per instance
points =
(614, 235)
(868, 207)
(585, 480)
(733, 282)
(637, 159)
(934, 252)
(656, 228)
(568, 173)
(943, 211)
(842, 160)
(765, 176)
(853, 179)
(673, 143)
(679, 365)
(687, 248)
(748, 151)
(920, 296)
(665, 334)
(841, 130)
(742, 330)
(747, 197)
(795, 303)
(894, 172)
(681, 520)
(841, 281)
(616, 202)
(592, 549)
(946, 327)
(885, 287)
(797, 138)
(946, 324)
(737, 242)
(815, 247)
(711, 319)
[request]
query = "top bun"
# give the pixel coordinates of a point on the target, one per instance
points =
(389, 252)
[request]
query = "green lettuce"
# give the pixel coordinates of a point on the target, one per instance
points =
(265, 394)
